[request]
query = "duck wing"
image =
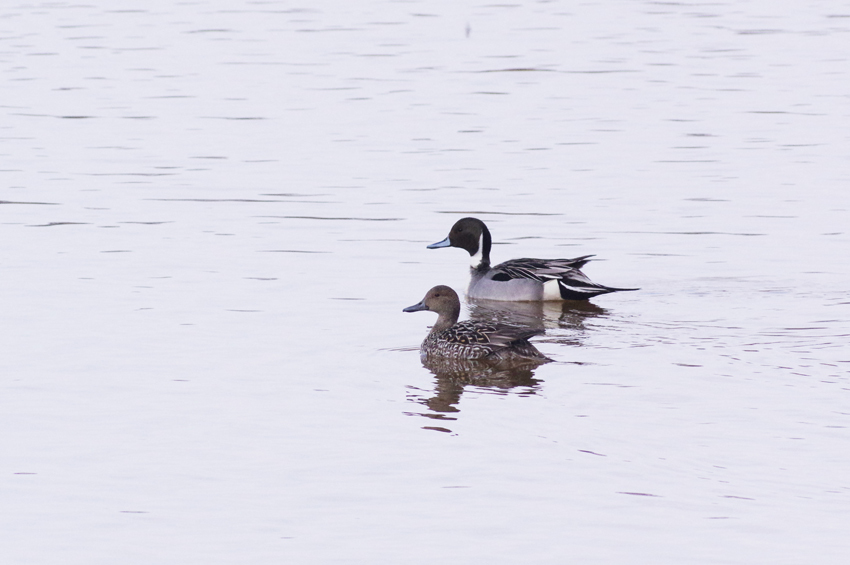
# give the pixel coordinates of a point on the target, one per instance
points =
(572, 283)
(540, 270)
(500, 339)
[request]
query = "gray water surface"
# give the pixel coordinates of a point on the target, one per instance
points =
(212, 214)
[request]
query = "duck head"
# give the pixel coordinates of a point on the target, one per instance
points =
(470, 234)
(442, 300)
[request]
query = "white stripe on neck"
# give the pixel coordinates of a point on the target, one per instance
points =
(475, 260)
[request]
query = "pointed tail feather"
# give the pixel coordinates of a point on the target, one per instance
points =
(584, 292)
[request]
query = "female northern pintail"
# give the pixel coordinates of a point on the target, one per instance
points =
(471, 340)
(519, 279)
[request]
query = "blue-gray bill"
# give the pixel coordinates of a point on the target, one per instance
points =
(439, 244)
(416, 307)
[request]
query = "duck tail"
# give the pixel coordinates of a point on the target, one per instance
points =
(575, 291)
(580, 262)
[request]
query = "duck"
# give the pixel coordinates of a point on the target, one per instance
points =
(470, 339)
(519, 280)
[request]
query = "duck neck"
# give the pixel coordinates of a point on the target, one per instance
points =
(480, 259)
(446, 319)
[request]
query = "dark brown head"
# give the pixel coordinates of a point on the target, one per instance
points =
(470, 234)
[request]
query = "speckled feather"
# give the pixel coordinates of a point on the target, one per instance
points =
(477, 340)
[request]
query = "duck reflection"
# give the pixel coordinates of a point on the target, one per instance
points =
(454, 375)
(500, 375)
(568, 314)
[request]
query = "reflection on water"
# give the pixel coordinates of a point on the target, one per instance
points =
(454, 375)
(567, 315)
(698, 147)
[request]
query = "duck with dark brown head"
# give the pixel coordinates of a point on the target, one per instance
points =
(519, 279)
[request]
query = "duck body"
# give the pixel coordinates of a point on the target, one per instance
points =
(479, 341)
(519, 279)
(534, 280)
(471, 339)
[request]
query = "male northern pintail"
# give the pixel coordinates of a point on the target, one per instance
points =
(519, 279)
(470, 339)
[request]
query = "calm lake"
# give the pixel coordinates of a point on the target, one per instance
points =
(212, 214)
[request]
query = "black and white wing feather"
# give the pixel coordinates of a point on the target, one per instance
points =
(540, 270)
(572, 283)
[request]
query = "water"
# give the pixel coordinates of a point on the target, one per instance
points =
(213, 213)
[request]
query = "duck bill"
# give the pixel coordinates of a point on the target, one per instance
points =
(416, 307)
(439, 244)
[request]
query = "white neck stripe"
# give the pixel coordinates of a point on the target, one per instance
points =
(475, 260)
